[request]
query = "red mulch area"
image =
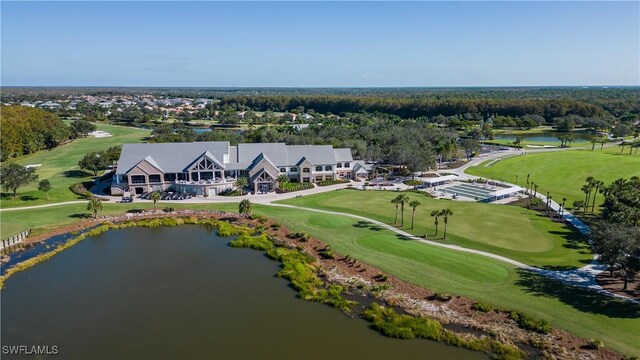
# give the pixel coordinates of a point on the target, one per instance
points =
(616, 283)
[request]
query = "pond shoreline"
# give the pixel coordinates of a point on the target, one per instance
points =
(456, 314)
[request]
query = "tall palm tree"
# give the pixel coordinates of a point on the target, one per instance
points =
(95, 205)
(241, 183)
(586, 190)
(155, 196)
(564, 200)
(435, 214)
(445, 213)
(598, 185)
(535, 187)
(245, 207)
(402, 200)
(414, 204)
(396, 202)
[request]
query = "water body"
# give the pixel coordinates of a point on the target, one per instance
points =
(183, 293)
(546, 137)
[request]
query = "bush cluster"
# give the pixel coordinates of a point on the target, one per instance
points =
(387, 321)
(528, 322)
(300, 236)
(482, 307)
(289, 187)
(331, 182)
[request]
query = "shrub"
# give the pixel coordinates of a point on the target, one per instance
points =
(253, 242)
(482, 307)
(412, 182)
(289, 187)
(331, 182)
(81, 189)
(441, 296)
(595, 344)
(169, 209)
(327, 253)
(300, 236)
(528, 322)
(381, 277)
(275, 226)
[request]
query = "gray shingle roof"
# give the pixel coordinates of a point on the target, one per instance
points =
(176, 157)
(170, 157)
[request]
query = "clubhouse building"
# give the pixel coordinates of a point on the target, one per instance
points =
(209, 168)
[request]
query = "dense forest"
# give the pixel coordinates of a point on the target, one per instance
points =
(26, 130)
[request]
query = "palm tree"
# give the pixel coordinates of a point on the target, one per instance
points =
(241, 183)
(445, 213)
(402, 200)
(95, 205)
(155, 196)
(435, 214)
(414, 204)
(535, 187)
(245, 207)
(564, 200)
(396, 202)
(586, 190)
(598, 185)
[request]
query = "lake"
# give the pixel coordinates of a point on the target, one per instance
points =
(183, 293)
(546, 137)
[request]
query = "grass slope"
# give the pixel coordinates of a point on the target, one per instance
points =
(563, 173)
(60, 166)
(584, 313)
(510, 231)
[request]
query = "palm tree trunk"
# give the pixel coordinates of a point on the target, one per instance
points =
(395, 220)
(445, 231)
(413, 215)
(402, 217)
(593, 204)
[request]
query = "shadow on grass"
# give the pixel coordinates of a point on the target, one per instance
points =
(81, 216)
(368, 225)
(76, 174)
(28, 198)
(578, 298)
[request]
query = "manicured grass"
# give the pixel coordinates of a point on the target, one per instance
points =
(510, 231)
(584, 313)
(60, 166)
(563, 173)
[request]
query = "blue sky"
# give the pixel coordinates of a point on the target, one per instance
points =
(320, 44)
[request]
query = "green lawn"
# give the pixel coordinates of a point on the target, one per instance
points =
(60, 166)
(584, 313)
(563, 173)
(510, 231)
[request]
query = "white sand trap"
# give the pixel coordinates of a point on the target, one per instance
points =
(542, 146)
(33, 165)
(100, 134)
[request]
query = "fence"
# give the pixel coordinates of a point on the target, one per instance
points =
(15, 239)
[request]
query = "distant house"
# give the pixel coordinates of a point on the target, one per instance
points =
(299, 127)
(208, 168)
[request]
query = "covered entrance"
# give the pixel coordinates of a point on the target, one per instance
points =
(263, 182)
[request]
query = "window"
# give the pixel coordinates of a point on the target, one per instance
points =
(339, 166)
(294, 169)
(347, 165)
(318, 178)
(283, 170)
(169, 177)
(138, 179)
(154, 179)
(318, 168)
(306, 170)
(328, 168)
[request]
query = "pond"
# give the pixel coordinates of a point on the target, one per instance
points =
(182, 293)
(546, 137)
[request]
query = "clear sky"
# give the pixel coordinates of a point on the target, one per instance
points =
(323, 44)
